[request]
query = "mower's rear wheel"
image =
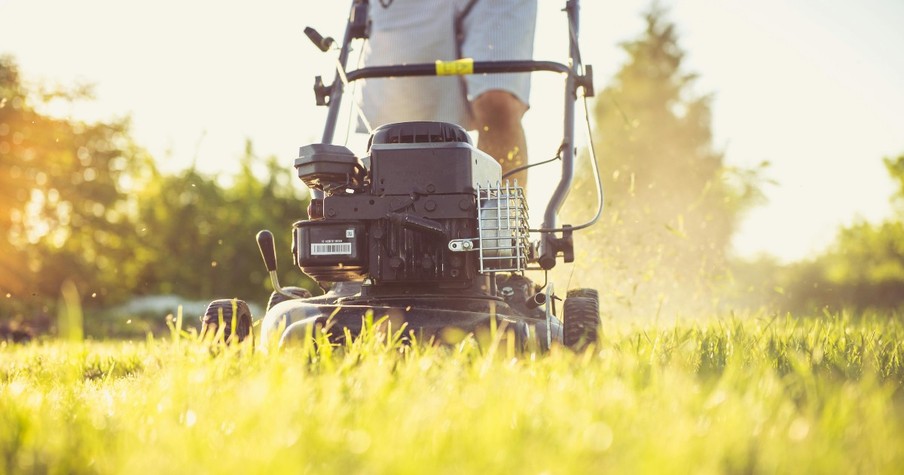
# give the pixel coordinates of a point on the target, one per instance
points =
(581, 315)
(227, 311)
(277, 297)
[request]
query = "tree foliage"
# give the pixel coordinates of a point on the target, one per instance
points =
(81, 202)
(862, 269)
(672, 203)
(209, 229)
(63, 213)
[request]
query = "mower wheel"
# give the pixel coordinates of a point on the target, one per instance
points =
(581, 324)
(241, 321)
(277, 297)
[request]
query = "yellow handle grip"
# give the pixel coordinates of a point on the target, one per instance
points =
(459, 67)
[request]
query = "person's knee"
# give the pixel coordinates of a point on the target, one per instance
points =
(497, 108)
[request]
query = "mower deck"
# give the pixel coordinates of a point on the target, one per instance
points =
(441, 317)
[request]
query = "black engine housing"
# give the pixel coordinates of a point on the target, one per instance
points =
(391, 216)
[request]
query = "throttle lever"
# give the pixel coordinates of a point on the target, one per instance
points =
(268, 251)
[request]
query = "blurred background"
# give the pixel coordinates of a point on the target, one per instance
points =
(752, 153)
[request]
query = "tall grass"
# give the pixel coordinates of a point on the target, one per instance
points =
(756, 395)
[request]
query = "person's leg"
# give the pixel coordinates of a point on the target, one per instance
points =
(497, 116)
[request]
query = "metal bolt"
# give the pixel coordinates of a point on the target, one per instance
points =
(430, 205)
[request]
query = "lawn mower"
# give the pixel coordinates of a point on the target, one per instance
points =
(424, 230)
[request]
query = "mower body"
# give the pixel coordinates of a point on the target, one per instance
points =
(422, 231)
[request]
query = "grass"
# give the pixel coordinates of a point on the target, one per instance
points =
(755, 395)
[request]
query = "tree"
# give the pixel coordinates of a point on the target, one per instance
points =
(672, 203)
(197, 236)
(863, 268)
(63, 204)
(81, 202)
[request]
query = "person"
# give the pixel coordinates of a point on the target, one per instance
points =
(424, 31)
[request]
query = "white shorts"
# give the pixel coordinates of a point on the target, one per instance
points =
(422, 31)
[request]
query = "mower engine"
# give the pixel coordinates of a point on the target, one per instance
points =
(426, 208)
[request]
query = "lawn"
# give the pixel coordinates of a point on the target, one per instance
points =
(760, 394)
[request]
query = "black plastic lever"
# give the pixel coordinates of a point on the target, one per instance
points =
(268, 249)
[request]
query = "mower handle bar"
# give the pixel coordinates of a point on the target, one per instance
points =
(468, 67)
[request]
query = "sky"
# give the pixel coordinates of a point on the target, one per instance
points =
(812, 87)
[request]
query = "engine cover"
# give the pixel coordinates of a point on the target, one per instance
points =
(431, 157)
(394, 225)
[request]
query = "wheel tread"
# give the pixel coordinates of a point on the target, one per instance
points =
(581, 320)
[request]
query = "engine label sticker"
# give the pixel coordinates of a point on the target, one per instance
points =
(331, 249)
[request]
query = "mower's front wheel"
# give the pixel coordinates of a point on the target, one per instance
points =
(232, 314)
(581, 315)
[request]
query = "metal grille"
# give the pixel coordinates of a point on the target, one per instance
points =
(503, 228)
